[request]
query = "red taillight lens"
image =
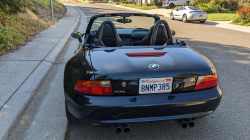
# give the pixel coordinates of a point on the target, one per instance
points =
(94, 87)
(207, 81)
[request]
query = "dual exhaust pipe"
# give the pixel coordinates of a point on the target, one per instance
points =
(125, 128)
(120, 127)
(186, 122)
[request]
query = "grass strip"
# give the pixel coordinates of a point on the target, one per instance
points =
(220, 16)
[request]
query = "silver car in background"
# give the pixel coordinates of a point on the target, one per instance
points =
(189, 13)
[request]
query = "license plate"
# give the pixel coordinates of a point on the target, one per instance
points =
(155, 85)
(201, 15)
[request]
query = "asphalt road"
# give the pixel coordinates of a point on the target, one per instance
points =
(229, 51)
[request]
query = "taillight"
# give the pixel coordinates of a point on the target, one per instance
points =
(207, 81)
(94, 87)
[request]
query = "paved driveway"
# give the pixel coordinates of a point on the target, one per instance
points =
(229, 51)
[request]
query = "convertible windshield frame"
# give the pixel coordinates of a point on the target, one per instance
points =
(92, 19)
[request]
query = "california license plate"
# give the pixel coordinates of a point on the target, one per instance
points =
(155, 85)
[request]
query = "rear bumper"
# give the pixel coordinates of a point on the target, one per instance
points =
(196, 17)
(142, 108)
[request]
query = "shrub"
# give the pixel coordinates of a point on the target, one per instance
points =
(159, 4)
(196, 2)
(242, 16)
(125, 2)
(231, 5)
(149, 4)
(209, 8)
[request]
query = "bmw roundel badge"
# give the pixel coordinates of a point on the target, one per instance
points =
(154, 66)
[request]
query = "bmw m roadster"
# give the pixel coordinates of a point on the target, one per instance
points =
(130, 69)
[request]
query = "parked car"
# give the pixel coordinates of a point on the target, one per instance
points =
(173, 3)
(189, 13)
(130, 69)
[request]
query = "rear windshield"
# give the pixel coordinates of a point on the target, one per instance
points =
(194, 8)
(138, 22)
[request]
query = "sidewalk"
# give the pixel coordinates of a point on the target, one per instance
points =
(166, 13)
(23, 70)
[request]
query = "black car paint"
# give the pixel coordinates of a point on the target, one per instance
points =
(180, 62)
(83, 67)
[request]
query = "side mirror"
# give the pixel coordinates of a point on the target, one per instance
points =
(172, 32)
(77, 35)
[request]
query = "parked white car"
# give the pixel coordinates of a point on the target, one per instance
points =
(173, 3)
(188, 13)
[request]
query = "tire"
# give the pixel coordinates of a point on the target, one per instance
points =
(172, 16)
(202, 21)
(184, 18)
(171, 5)
(71, 119)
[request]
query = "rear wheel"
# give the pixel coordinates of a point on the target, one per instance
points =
(202, 21)
(171, 5)
(172, 16)
(184, 18)
(71, 118)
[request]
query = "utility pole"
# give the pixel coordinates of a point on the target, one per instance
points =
(51, 9)
(141, 2)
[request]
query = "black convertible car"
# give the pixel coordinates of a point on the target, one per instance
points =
(130, 69)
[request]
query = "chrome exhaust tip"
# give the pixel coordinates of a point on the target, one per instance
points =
(118, 128)
(126, 128)
(191, 124)
(183, 123)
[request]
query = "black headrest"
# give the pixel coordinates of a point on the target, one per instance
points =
(108, 32)
(162, 32)
(107, 35)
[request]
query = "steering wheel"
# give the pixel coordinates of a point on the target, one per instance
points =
(155, 30)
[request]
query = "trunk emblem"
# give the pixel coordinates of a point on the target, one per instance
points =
(154, 66)
(124, 84)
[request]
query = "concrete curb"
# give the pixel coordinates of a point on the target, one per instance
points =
(26, 92)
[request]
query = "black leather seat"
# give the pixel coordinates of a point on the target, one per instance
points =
(161, 37)
(107, 35)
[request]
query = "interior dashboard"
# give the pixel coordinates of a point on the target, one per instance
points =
(130, 37)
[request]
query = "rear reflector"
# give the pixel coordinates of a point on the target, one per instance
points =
(146, 54)
(94, 87)
(207, 81)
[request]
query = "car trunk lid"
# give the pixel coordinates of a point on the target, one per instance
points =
(117, 65)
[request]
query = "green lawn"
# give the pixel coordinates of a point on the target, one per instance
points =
(143, 7)
(220, 16)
